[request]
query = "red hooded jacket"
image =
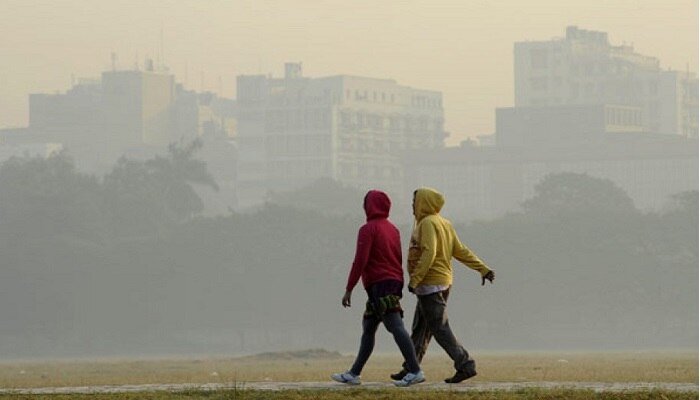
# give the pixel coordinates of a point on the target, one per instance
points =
(378, 254)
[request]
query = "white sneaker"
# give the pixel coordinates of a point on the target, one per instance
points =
(347, 377)
(411, 379)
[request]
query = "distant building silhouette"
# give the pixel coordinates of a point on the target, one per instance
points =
(583, 68)
(488, 182)
(581, 105)
(124, 112)
(584, 106)
(137, 107)
(295, 129)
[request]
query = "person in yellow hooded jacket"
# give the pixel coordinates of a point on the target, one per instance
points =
(434, 243)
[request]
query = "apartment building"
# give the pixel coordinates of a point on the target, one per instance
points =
(294, 130)
(583, 68)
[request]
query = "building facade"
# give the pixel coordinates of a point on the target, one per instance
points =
(137, 106)
(136, 113)
(583, 68)
(294, 130)
(581, 106)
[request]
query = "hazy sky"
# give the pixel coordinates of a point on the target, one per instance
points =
(463, 48)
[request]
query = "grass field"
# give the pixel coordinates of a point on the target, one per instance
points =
(675, 367)
(359, 394)
(316, 366)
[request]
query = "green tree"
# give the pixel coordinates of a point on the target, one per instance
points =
(674, 233)
(145, 197)
(43, 197)
(572, 195)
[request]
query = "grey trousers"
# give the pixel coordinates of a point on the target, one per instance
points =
(430, 319)
(394, 324)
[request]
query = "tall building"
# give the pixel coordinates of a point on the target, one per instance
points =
(137, 106)
(122, 109)
(126, 112)
(69, 117)
(583, 68)
(295, 129)
(581, 106)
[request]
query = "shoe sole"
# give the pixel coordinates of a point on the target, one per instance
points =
(404, 384)
(448, 380)
(345, 382)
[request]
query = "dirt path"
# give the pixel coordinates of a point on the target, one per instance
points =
(464, 387)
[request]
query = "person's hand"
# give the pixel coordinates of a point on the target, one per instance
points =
(490, 276)
(346, 299)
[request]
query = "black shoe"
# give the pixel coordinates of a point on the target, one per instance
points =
(460, 376)
(399, 375)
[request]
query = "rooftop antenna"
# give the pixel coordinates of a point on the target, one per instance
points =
(114, 61)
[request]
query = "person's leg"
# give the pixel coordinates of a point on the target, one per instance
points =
(434, 308)
(420, 333)
(420, 336)
(394, 324)
(369, 328)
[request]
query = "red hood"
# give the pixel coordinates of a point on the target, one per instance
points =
(377, 205)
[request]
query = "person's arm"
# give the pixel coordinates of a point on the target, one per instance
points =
(464, 255)
(428, 246)
(364, 245)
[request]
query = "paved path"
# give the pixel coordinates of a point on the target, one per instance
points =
(464, 387)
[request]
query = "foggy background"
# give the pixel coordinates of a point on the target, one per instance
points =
(463, 49)
(181, 178)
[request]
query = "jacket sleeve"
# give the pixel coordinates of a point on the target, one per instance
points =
(364, 245)
(428, 246)
(463, 254)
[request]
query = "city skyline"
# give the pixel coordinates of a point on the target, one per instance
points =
(426, 46)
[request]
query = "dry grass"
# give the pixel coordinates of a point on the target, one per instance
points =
(559, 367)
(361, 394)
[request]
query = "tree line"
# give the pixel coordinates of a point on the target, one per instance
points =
(127, 264)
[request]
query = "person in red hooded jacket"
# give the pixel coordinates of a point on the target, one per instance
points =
(378, 263)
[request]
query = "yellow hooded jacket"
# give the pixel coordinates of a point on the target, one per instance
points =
(434, 242)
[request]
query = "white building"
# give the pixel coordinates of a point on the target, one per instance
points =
(581, 106)
(583, 68)
(294, 130)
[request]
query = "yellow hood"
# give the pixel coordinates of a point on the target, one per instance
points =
(434, 243)
(428, 201)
